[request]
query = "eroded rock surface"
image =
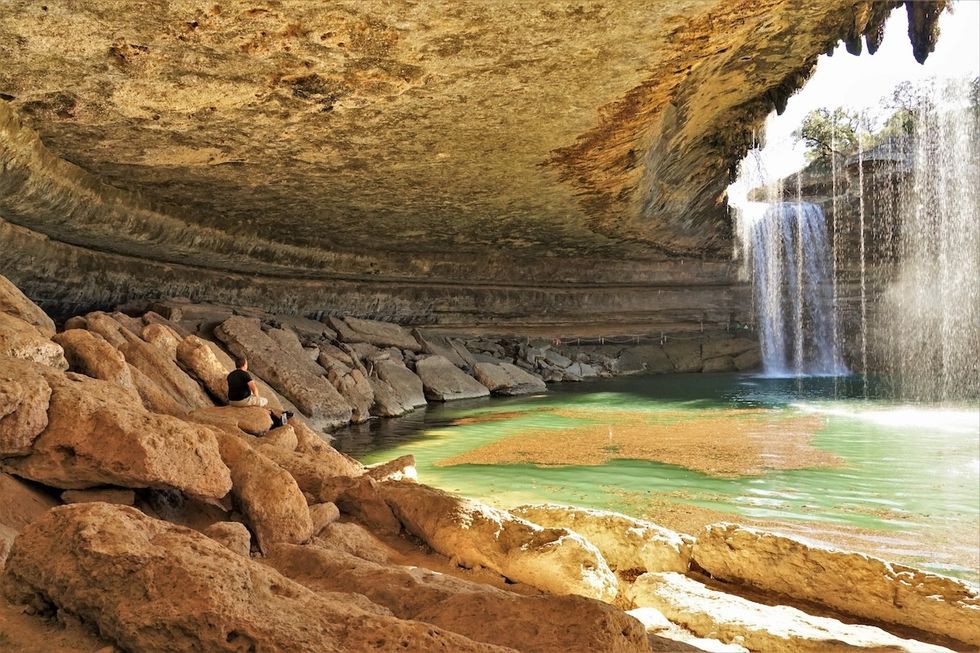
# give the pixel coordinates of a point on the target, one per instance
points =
(507, 379)
(443, 381)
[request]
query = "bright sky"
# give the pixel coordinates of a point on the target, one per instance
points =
(862, 83)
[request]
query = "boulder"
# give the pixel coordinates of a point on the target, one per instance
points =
(534, 624)
(715, 347)
(309, 332)
(15, 303)
(330, 354)
(361, 498)
(159, 363)
(471, 533)
(152, 317)
(643, 358)
(206, 362)
(21, 503)
(132, 324)
(162, 336)
(758, 627)
(749, 360)
(267, 495)
(853, 583)
(153, 397)
(354, 539)
(117, 496)
(323, 476)
(387, 403)
(553, 358)
(97, 435)
(90, 354)
(24, 399)
(507, 379)
(406, 385)
(356, 389)
(582, 371)
(402, 467)
(153, 587)
(373, 332)
(104, 325)
(718, 364)
(685, 355)
(289, 374)
(250, 419)
(434, 343)
(322, 515)
(283, 437)
(626, 543)
(443, 381)
(20, 339)
(232, 535)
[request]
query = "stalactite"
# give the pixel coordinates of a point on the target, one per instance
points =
(924, 25)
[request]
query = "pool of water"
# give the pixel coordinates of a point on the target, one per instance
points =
(809, 456)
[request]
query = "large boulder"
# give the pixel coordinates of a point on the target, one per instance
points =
(90, 354)
(534, 624)
(98, 435)
(322, 475)
(772, 628)
(22, 503)
(206, 362)
(14, 302)
(154, 587)
(356, 389)
(290, 374)
(854, 583)
(100, 323)
(626, 543)
(405, 384)
(440, 345)
(248, 419)
(373, 332)
(24, 398)
(552, 559)
(158, 361)
(387, 402)
(443, 381)
(20, 339)
(507, 379)
(153, 397)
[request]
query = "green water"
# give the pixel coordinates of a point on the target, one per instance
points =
(907, 486)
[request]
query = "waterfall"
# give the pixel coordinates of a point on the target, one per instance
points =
(793, 294)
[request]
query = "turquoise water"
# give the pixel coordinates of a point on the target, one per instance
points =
(904, 481)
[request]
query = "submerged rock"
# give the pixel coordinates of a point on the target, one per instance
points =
(443, 381)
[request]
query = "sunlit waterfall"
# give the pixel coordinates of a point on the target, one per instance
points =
(790, 260)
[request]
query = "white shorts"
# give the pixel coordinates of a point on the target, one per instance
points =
(250, 400)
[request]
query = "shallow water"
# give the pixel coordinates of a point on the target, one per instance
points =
(904, 482)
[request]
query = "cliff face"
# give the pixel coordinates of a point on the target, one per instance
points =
(515, 164)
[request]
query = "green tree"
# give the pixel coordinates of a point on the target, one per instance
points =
(827, 133)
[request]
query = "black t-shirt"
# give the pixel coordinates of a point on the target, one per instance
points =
(238, 385)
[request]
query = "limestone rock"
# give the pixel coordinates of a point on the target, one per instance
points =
(379, 334)
(715, 347)
(434, 343)
(152, 317)
(443, 381)
(321, 475)
(24, 399)
(206, 362)
(551, 356)
(355, 388)
(685, 355)
(748, 361)
(309, 332)
(387, 403)
(283, 437)
(406, 385)
(20, 339)
(582, 370)
(89, 353)
(158, 363)
(162, 336)
(507, 379)
(14, 302)
(288, 374)
(644, 358)
(355, 540)
(718, 364)
(362, 499)
(232, 535)
(626, 543)
(552, 559)
(103, 324)
(402, 467)
(22, 503)
(853, 583)
(97, 435)
(268, 495)
(333, 354)
(117, 496)
(322, 515)
(535, 624)
(107, 563)
(776, 629)
(250, 419)
(153, 397)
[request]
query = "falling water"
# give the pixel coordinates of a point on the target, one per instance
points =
(864, 263)
(791, 270)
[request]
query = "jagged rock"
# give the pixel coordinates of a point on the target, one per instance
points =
(322, 515)
(853, 583)
(15, 303)
(24, 399)
(715, 347)
(443, 381)
(535, 624)
(232, 535)
(97, 435)
(206, 362)
(159, 364)
(771, 628)
(283, 437)
(553, 559)
(748, 361)
(434, 343)
(507, 379)
(719, 364)
(643, 358)
(20, 339)
(89, 353)
(288, 374)
(250, 419)
(406, 385)
(402, 467)
(379, 334)
(116, 496)
(626, 543)
(387, 403)
(106, 564)
(268, 495)
(355, 388)
(685, 355)
(22, 503)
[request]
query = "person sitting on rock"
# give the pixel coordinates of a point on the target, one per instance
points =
(242, 390)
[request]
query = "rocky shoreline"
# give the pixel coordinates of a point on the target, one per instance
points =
(139, 513)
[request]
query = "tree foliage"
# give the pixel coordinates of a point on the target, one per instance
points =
(827, 133)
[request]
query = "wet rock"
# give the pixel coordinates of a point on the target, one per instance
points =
(117, 496)
(379, 334)
(106, 562)
(20, 339)
(90, 354)
(776, 628)
(626, 543)
(644, 358)
(406, 385)
(24, 399)
(97, 435)
(290, 375)
(853, 583)
(748, 361)
(507, 379)
(536, 624)
(443, 381)
(387, 402)
(715, 347)
(250, 419)
(322, 515)
(158, 363)
(15, 303)
(402, 467)
(553, 559)
(231, 535)
(718, 364)
(22, 503)
(684, 355)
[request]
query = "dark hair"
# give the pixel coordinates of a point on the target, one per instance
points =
(240, 362)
